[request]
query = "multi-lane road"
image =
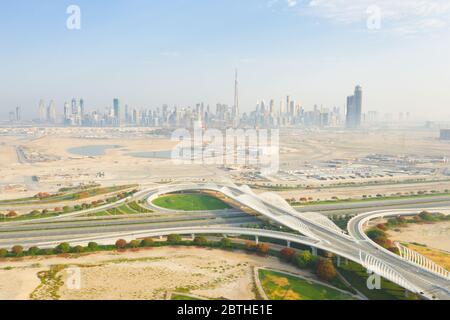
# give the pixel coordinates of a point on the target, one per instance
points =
(316, 229)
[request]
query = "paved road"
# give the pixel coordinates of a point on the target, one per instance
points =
(362, 207)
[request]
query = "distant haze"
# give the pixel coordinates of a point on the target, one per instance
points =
(183, 52)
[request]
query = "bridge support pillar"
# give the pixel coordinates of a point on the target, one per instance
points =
(338, 262)
(161, 238)
(257, 239)
(193, 236)
(314, 251)
(288, 244)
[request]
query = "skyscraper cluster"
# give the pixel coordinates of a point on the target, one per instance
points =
(286, 113)
(47, 113)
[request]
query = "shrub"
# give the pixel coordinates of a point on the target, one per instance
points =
(287, 254)
(200, 241)
(325, 270)
(3, 253)
(225, 243)
(426, 216)
(135, 244)
(173, 238)
(381, 226)
(304, 260)
(250, 246)
(375, 233)
(121, 244)
(147, 242)
(49, 251)
(93, 246)
(78, 249)
(63, 248)
(33, 251)
(263, 248)
(11, 214)
(17, 250)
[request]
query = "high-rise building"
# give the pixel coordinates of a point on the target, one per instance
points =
(116, 108)
(81, 109)
(18, 114)
(42, 111)
(67, 114)
(74, 106)
(354, 109)
(235, 112)
(51, 112)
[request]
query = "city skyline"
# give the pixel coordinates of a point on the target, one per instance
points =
(153, 54)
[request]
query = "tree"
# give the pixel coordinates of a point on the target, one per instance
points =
(33, 251)
(287, 254)
(325, 270)
(250, 246)
(375, 233)
(17, 250)
(135, 244)
(173, 238)
(225, 243)
(263, 248)
(200, 241)
(3, 253)
(11, 214)
(304, 259)
(78, 249)
(147, 242)
(63, 248)
(93, 246)
(49, 251)
(121, 244)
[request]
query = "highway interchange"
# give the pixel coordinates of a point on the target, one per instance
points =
(317, 231)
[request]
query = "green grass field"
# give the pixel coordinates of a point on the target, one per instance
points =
(279, 286)
(190, 202)
(357, 276)
(125, 209)
(182, 297)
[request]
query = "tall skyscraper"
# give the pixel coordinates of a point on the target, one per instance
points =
(42, 111)
(51, 112)
(18, 114)
(235, 112)
(67, 114)
(116, 108)
(82, 108)
(74, 106)
(354, 109)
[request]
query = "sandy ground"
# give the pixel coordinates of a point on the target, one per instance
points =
(297, 149)
(436, 235)
(146, 274)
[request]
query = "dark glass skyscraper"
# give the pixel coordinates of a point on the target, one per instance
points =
(354, 109)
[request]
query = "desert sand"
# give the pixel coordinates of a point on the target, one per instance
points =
(144, 274)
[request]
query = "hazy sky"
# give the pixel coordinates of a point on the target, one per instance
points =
(150, 52)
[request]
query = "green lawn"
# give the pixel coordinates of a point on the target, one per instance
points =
(357, 276)
(279, 286)
(182, 297)
(190, 202)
